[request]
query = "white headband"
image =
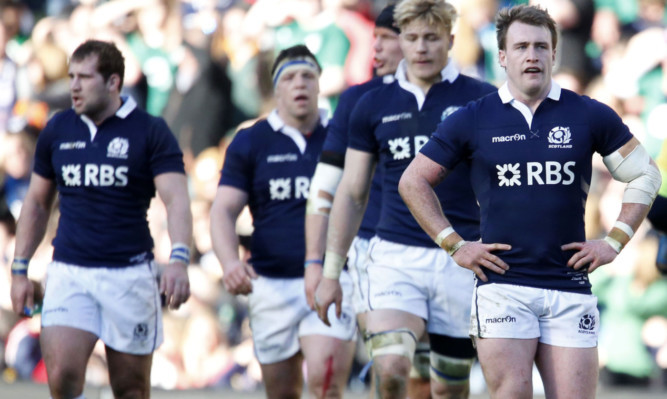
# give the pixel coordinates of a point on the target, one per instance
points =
(291, 63)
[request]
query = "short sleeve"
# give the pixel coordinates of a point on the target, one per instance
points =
(361, 133)
(451, 141)
(165, 154)
(43, 164)
(237, 170)
(609, 131)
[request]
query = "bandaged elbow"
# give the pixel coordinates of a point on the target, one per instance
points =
(322, 189)
(636, 169)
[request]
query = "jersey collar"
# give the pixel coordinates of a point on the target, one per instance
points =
(507, 98)
(448, 73)
(278, 124)
(125, 109)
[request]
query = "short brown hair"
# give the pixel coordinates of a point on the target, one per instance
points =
(434, 12)
(530, 15)
(109, 59)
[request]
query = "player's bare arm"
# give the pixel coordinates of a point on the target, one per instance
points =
(630, 164)
(416, 189)
(346, 214)
(173, 190)
(228, 204)
(30, 231)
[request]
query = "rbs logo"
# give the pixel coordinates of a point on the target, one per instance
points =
(536, 173)
(281, 189)
(400, 147)
(94, 175)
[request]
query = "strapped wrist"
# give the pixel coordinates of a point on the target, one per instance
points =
(180, 253)
(309, 262)
(333, 265)
(20, 266)
(444, 233)
(451, 251)
(617, 246)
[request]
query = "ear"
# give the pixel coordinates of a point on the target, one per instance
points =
(114, 82)
(502, 58)
(451, 41)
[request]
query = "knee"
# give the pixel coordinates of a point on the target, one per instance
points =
(65, 381)
(392, 372)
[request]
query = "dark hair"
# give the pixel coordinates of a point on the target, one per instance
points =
(386, 19)
(109, 59)
(531, 15)
(298, 51)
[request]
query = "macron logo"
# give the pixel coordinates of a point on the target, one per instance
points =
(282, 158)
(506, 139)
(73, 145)
(397, 117)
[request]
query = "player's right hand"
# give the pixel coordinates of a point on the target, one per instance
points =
(237, 278)
(328, 292)
(473, 255)
(312, 279)
(22, 293)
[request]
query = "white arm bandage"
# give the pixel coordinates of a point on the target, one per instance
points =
(643, 178)
(326, 178)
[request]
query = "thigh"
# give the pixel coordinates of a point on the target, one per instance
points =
(357, 261)
(507, 365)
(276, 308)
(450, 296)
(506, 311)
(68, 301)
(283, 379)
(138, 331)
(66, 351)
(328, 360)
(568, 372)
(398, 277)
(129, 374)
(572, 320)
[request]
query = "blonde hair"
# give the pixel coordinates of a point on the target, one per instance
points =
(433, 12)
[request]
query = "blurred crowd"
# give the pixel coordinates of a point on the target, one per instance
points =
(203, 65)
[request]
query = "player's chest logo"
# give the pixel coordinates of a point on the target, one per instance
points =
(406, 147)
(286, 188)
(535, 173)
(118, 148)
(560, 137)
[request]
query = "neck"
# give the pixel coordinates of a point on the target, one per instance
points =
(304, 125)
(532, 101)
(423, 84)
(109, 110)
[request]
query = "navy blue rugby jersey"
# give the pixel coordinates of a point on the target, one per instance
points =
(531, 175)
(274, 163)
(335, 146)
(104, 175)
(394, 121)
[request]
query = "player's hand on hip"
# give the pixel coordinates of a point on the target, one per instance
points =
(328, 291)
(175, 284)
(237, 278)
(22, 294)
(474, 255)
(312, 278)
(593, 252)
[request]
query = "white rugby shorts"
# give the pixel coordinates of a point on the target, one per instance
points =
(121, 305)
(357, 261)
(422, 281)
(279, 315)
(557, 318)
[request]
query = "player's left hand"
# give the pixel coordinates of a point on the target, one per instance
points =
(593, 252)
(312, 279)
(328, 292)
(175, 284)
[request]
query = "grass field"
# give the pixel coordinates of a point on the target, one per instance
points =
(32, 391)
